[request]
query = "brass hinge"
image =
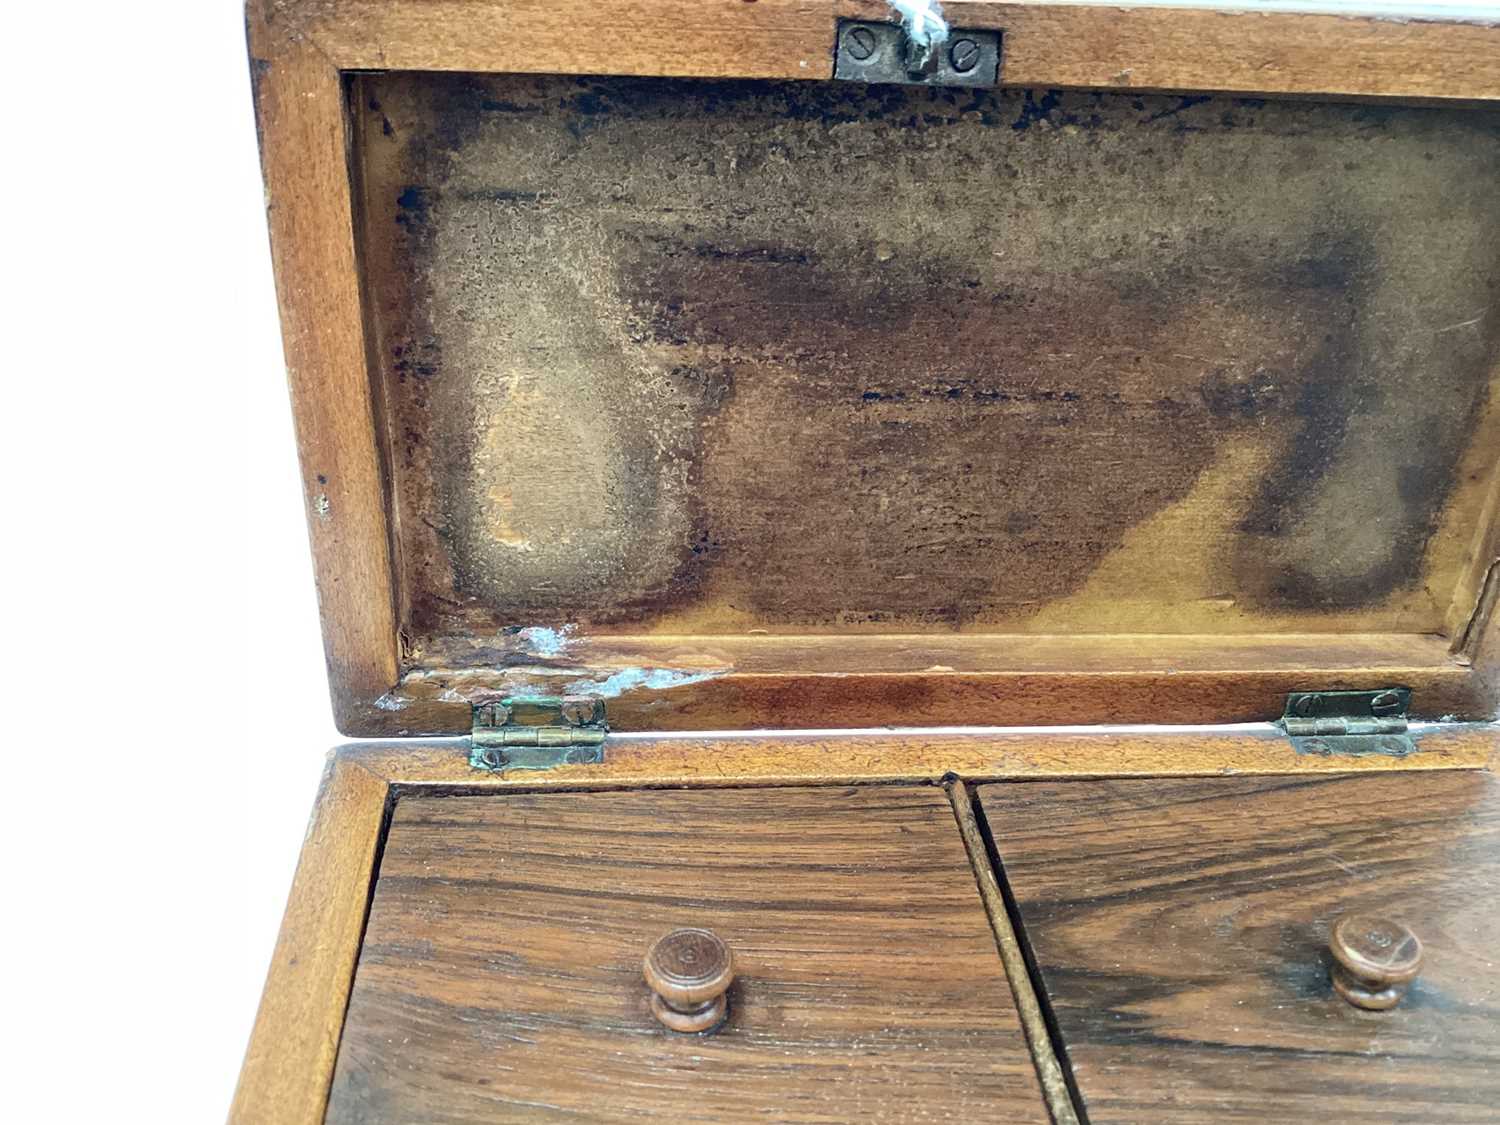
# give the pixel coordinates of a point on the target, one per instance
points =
(887, 52)
(1349, 722)
(538, 733)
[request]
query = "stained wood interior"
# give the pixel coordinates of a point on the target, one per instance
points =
(708, 360)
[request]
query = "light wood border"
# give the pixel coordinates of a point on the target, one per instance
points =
(300, 51)
(289, 1065)
(294, 1043)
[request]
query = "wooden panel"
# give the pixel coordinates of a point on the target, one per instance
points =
(1215, 47)
(1181, 931)
(821, 682)
(501, 973)
(295, 1040)
(842, 758)
(300, 115)
(1434, 53)
(1115, 364)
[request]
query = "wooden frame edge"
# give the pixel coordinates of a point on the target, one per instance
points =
(302, 123)
(288, 1066)
(794, 698)
(1219, 48)
(916, 757)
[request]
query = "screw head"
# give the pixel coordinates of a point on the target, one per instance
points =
(964, 54)
(1386, 703)
(1305, 705)
(860, 43)
(580, 710)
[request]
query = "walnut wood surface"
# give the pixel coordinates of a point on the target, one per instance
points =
(500, 977)
(1181, 931)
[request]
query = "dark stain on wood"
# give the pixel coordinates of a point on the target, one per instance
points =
(1180, 929)
(819, 356)
(501, 973)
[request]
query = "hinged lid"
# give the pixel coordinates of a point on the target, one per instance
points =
(765, 403)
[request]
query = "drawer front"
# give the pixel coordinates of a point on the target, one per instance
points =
(501, 972)
(1180, 929)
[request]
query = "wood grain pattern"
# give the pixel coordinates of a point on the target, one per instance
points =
(1474, 621)
(1221, 48)
(501, 973)
(737, 683)
(1047, 44)
(300, 115)
(846, 758)
(1181, 931)
(295, 1040)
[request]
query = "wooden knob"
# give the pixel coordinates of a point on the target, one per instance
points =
(689, 972)
(1374, 959)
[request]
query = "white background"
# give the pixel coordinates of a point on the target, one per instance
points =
(162, 661)
(162, 650)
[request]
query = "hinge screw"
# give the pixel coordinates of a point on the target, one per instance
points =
(861, 43)
(580, 712)
(1386, 703)
(965, 55)
(1305, 705)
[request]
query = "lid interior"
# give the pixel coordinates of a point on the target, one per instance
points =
(687, 381)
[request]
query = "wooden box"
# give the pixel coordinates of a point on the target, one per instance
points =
(865, 498)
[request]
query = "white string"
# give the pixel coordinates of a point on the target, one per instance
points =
(923, 19)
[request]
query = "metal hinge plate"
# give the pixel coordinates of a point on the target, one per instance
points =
(884, 52)
(538, 733)
(1349, 722)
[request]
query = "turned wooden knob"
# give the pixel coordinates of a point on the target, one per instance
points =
(689, 972)
(1374, 959)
